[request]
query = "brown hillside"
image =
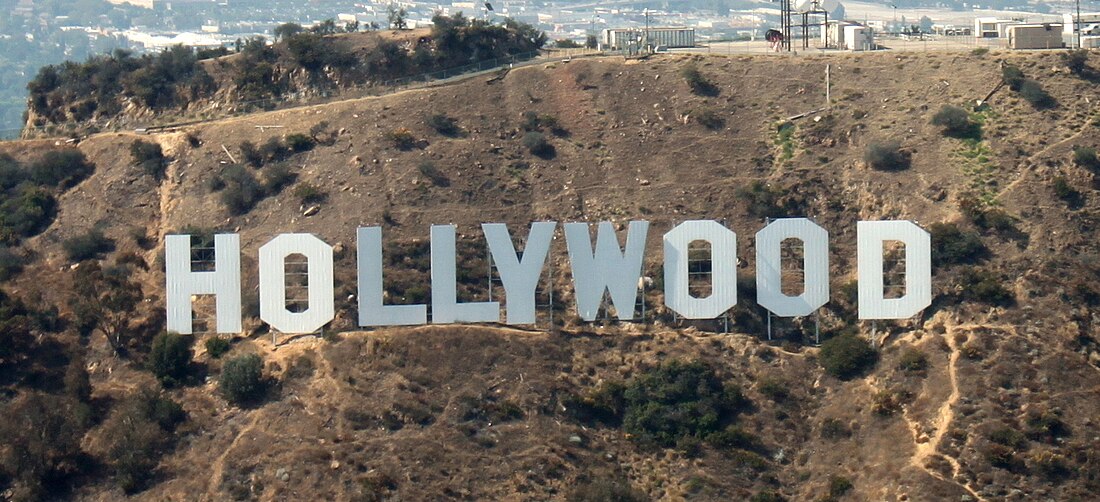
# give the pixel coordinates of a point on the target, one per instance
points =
(483, 412)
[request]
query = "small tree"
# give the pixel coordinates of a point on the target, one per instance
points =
(170, 358)
(396, 16)
(242, 379)
(287, 30)
(591, 42)
(216, 346)
(1032, 92)
(87, 246)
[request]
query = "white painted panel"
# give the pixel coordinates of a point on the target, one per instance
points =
(769, 271)
(371, 310)
(445, 306)
(224, 282)
(322, 303)
(918, 269)
(723, 257)
(520, 276)
(609, 268)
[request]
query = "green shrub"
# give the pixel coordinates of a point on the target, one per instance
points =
(1033, 92)
(956, 123)
(1063, 190)
(27, 212)
(762, 200)
(251, 154)
(565, 43)
(1085, 156)
(216, 346)
(887, 156)
(679, 401)
(273, 150)
(242, 190)
(838, 486)
(537, 144)
(979, 51)
(61, 168)
(1009, 437)
(913, 360)
(149, 157)
(984, 286)
(444, 125)
(242, 379)
(170, 358)
(277, 177)
(430, 171)
(309, 194)
(87, 246)
(605, 404)
(138, 432)
(697, 82)
(1012, 76)
(951, 245)
(300, 142)
(776, 389)
(845, 356)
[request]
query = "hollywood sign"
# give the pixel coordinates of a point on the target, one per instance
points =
(605, 267)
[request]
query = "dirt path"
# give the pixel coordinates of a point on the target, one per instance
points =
(927, 443)
(218, 467)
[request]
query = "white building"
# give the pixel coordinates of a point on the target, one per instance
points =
(991, 27)
(849, 36)
(672, 38)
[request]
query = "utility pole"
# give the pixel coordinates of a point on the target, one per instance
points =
(647, 48)
(1077, 24)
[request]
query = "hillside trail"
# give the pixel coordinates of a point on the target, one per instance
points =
(928, 444)
(218, 467)
(1084, 130)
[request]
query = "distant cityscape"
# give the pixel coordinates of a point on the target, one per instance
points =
(40, 32)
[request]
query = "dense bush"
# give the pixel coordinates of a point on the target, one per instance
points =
(216, 346)
(566, 43)
(149, 157)
(26, 212)
(138, 432)
(536, 143)
(309, 194)
(444, 125)
(277, 177)
(984, 286)
(1013, 76)
(315, 52)
(697, 82)
(87, 246)
(845, 356)
(886, 156)
(913, 360)
(951, 245)
(762, 200)
(242, 379)
(61, 168)
(242, 190)
(40, 438)
(1085, 156)
(1063, 190)
(300, 142)
(956, 123)
(11, 263)
(170, 358)
(679, 402)
(1032, 92)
